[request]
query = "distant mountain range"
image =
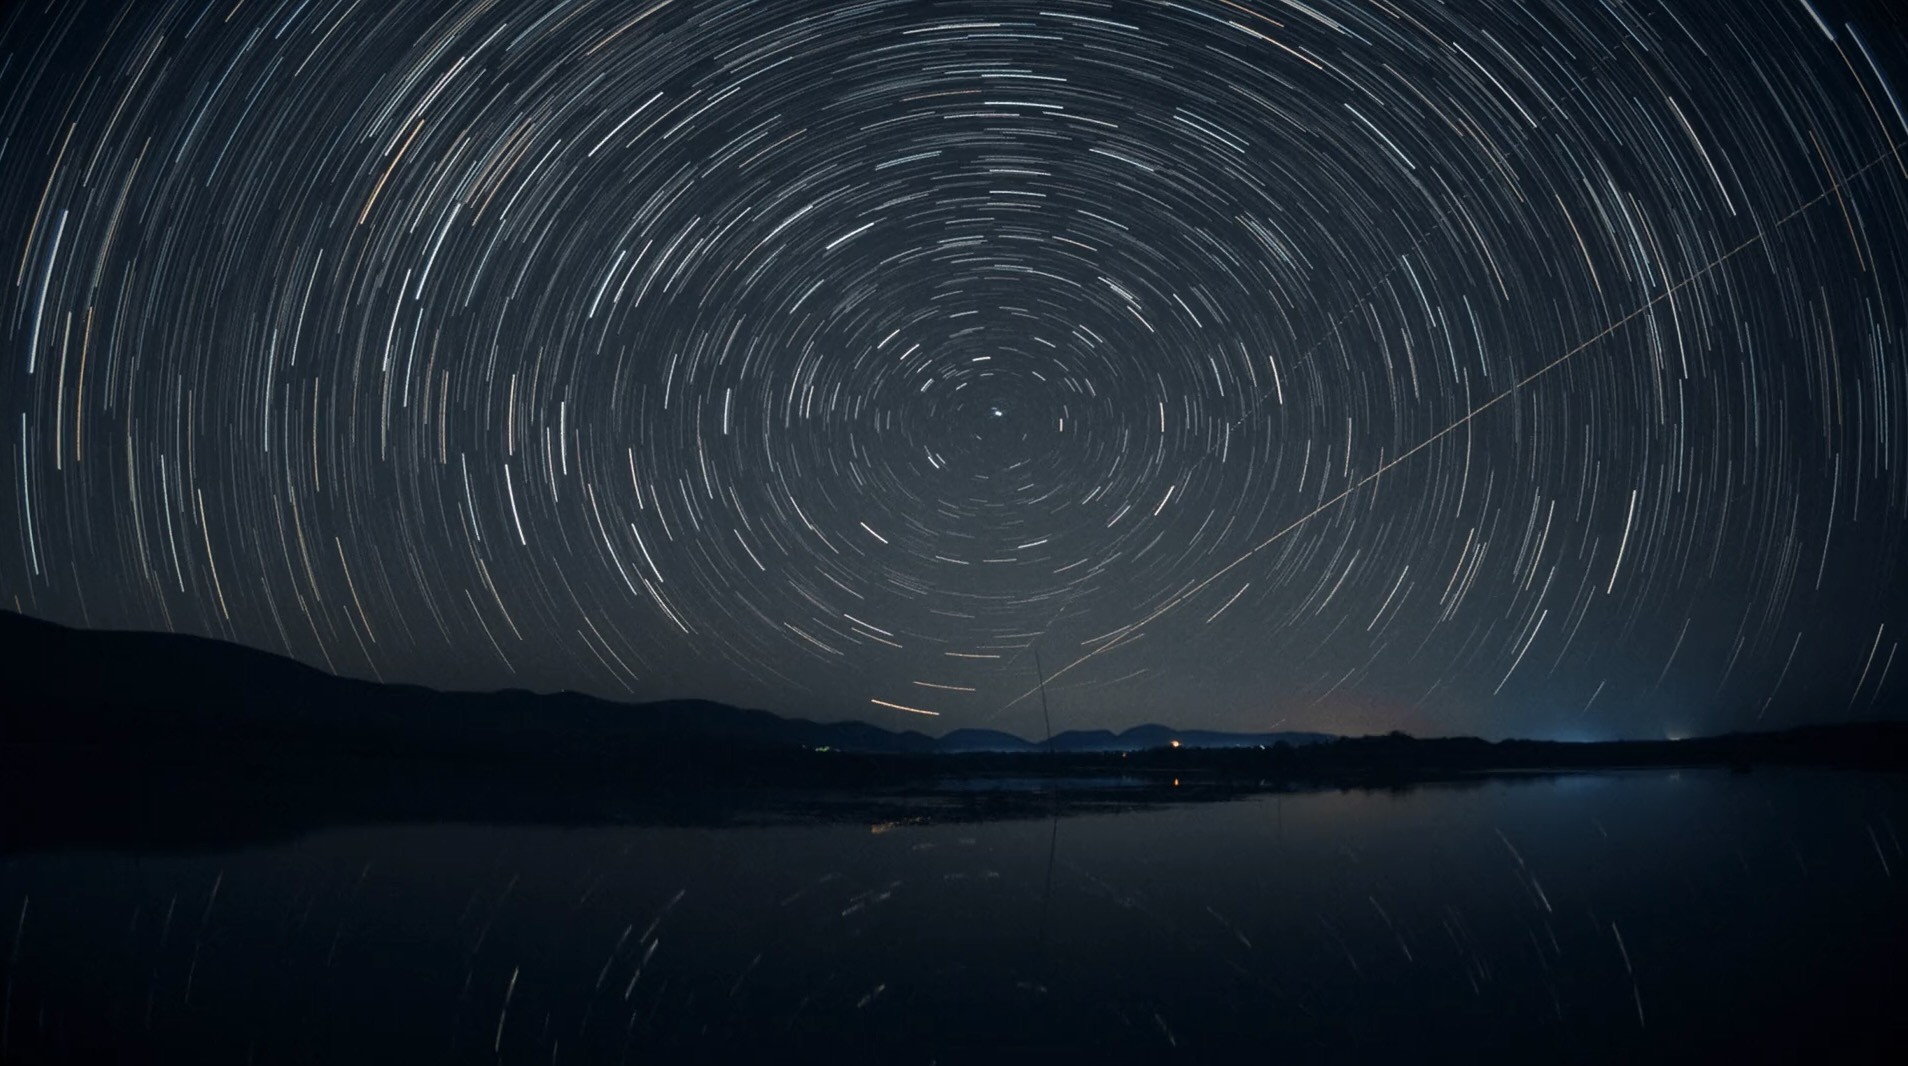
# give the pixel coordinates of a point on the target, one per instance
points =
(160, 690)
(149, 739)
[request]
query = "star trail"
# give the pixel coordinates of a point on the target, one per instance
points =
(1529, 368)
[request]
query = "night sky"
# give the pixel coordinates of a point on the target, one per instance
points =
(1521, 369)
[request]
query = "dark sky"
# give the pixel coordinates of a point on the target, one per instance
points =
(1534, 369)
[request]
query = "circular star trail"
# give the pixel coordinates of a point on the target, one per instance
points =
(1515, 368)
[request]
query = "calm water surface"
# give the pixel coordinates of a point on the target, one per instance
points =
(1651, 916)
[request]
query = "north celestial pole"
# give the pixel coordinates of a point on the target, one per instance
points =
(1534, 369)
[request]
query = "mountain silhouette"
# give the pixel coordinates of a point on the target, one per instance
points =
(164, 690)
(150, 695)
(162, 740)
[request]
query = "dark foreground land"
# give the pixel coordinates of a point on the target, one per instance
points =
(82, 795)
(212, 855)
(154, 738)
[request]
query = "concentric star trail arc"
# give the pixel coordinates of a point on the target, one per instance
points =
(840, 358)
(1385, 467)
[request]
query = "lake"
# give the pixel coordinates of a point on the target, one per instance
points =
(1640, 916)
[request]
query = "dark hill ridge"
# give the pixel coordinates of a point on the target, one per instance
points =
(141, 697)
(65, 685)
(143, 739)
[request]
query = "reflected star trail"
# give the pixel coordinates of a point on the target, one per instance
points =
(1516, 369)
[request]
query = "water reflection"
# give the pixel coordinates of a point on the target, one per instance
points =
(1589, 918)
